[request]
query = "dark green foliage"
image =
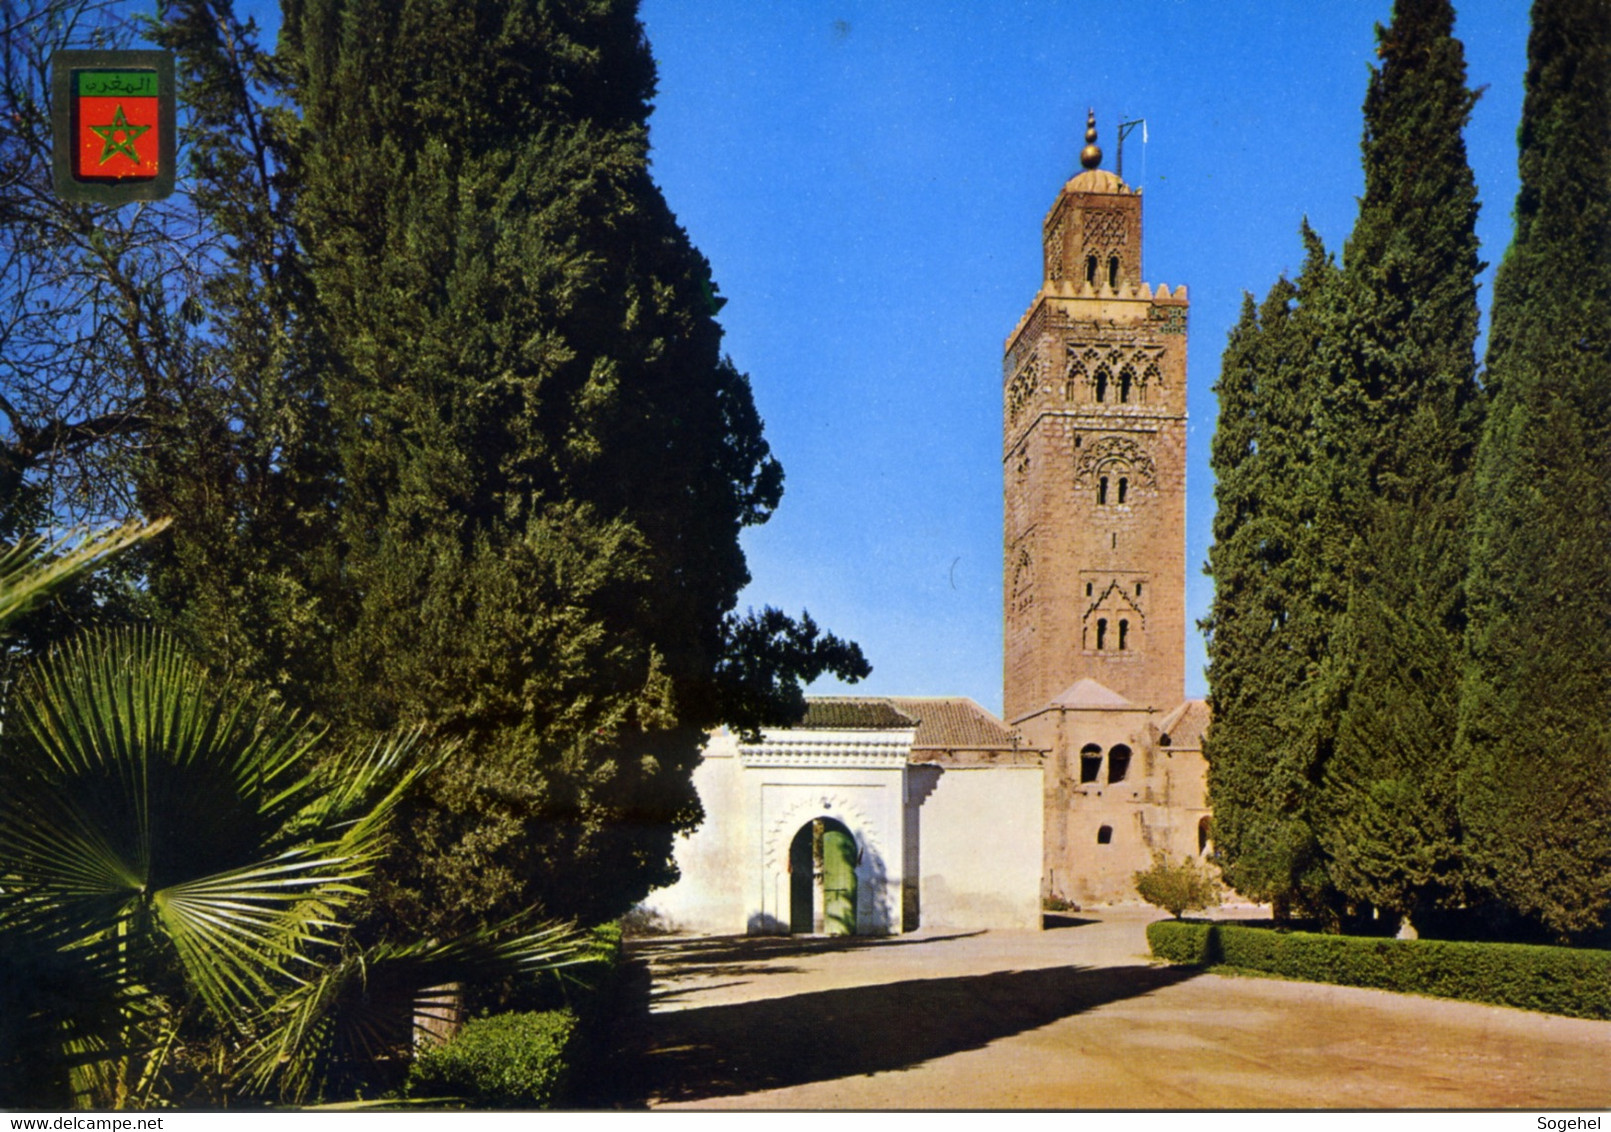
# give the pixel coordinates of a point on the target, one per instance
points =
(1554, 980)
(1396, 422)
(1350, 421)
(1266, 633)
(1536, 789)
(515, 1060)
(1180, 941)
(545, 462)
(1186, 886)
(238, 446)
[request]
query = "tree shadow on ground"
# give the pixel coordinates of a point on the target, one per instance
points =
(738, 957)
(739, 1048)
(674, 950)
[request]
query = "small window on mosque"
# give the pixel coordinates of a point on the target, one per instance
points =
(1101, 633)
(1087, 589)
(1101, 385)
(1118, 763)
(1138, 589)
(1124, 488)
(1090, 270)
(1102, 490)
(1126, 378)
(1104, 835)
(1124, 633)
(1113, 271)
(1090, 763)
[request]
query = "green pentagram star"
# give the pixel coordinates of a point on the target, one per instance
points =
(114, 145)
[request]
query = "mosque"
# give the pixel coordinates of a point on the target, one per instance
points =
(883, 814)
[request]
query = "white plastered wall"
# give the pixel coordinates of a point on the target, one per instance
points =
(708, 899)
(979, 846)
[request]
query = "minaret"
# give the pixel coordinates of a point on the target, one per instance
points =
(1094, 459)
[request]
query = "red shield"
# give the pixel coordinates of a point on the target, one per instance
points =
(118, 132)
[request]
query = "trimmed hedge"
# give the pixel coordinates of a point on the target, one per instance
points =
(502, 1061)
(1179, 941)
(1554, 980)
(545, 1052)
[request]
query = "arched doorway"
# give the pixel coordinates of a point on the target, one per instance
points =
(822, 879)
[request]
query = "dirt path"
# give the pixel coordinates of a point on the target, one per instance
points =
(1071, 1018)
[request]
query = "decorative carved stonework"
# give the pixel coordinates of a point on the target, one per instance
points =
(1023, 581)
(1172, 319)
(1105, 230)
(1020, 391)
(1107, 451)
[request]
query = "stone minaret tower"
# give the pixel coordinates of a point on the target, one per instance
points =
(1094, 456)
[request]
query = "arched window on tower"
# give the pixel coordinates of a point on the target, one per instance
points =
(1102, 490)
(1118, 763)
(1101, 633)
(1101, 385)
(1124, 633)
(1090, 763)
(1074, 379)
(1127, 380)
(1113, 272)
(1090, 270)
(1124, 488)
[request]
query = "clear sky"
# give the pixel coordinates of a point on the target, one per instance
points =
(868, 181)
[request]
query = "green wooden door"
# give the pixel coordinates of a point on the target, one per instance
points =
(838, 882)
(802, 883)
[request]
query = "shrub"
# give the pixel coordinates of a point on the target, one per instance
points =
(1186, 887)
(1180, 942)
(1554, 980)
(502, 1061)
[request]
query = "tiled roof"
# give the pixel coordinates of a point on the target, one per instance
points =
(1185, 725)
(851, 713)
(1089, 694)
(953, 722)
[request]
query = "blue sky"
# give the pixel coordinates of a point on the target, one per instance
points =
(868, 181)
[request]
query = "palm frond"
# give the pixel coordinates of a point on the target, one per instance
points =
(361, 1011)
(176, 832)
(32, 570)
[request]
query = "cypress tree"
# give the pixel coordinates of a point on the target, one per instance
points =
(238, 444)
(545, 460)
(1396, 430)
(1265, 638)
(1535, 713)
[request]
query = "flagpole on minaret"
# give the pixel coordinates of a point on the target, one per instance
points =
(1124, 131)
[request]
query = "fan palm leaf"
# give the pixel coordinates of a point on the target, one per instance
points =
(34, 569)
(362, 1010)
(166, 824)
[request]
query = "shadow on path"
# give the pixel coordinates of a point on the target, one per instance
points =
(741, 1048)
(669, 951)
(738, 957)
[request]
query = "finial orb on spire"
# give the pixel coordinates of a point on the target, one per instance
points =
(1091, 155)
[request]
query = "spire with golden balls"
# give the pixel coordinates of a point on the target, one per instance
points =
(1091, 155)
